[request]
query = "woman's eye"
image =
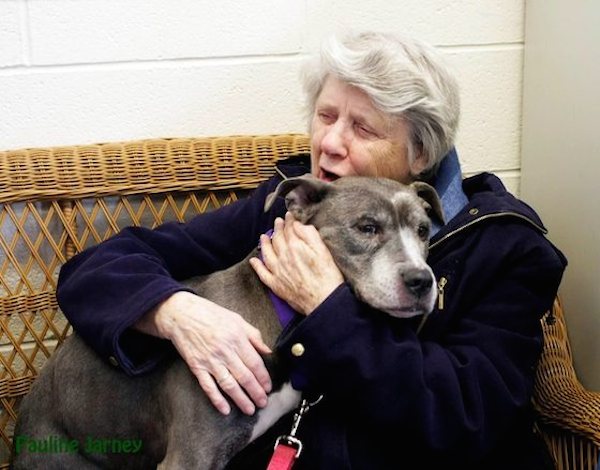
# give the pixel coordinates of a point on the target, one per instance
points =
(365, 131)
(326, 117)
(369, 229)
(423, 232)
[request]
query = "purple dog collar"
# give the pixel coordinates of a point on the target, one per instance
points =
(285, 313)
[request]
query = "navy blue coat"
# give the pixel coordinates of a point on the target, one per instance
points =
(456, 395)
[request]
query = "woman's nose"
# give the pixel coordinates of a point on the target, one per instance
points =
(334, 142)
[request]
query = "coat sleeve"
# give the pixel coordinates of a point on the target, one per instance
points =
(106, 288)
(457, 387)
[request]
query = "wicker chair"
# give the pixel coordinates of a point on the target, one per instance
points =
(568, 414)
(55, 202)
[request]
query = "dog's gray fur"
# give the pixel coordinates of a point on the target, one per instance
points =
(376, 230)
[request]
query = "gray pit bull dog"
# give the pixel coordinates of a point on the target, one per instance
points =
(86, 414)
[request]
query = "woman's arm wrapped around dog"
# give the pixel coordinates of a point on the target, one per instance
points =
(132, 279)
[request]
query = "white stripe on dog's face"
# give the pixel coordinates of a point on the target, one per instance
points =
(412, 248)
(384, 288)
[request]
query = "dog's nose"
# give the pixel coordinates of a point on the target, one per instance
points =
(417, 281)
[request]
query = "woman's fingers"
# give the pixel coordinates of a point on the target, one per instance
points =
(221, 349)
(253, 360)
(229, 383)
(209, 386)
(233, 378)
(296, 265)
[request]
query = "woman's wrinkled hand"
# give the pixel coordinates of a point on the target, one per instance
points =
(296, 265)
(221, 349)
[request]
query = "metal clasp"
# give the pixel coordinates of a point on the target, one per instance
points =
(291, 438)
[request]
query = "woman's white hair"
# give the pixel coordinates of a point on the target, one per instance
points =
(404, 78)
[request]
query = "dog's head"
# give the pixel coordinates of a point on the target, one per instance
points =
(378, 233)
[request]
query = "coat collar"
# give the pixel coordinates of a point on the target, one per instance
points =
(448, 185)
(487, 198)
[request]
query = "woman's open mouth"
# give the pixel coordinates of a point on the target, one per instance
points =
(327, 176)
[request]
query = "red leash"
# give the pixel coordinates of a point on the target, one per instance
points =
(284, 457)
(288, 447)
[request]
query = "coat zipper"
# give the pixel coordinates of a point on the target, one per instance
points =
(485, 217)
(441, 285)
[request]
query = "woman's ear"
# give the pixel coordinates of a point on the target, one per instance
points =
(419, 164)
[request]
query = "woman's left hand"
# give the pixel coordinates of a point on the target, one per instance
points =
(296, 265)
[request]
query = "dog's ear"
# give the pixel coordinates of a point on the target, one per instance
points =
(302, 195)
(432, 202)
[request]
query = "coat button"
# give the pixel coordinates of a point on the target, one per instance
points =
(113, 361)
(474, 211)
(298, 349)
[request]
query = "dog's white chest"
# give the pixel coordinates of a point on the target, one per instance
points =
(280, 403)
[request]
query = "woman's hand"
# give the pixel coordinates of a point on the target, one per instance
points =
(296, 265)
(218, 345)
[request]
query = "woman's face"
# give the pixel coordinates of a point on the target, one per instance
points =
(349, 136)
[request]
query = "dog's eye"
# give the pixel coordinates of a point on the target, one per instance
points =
(423, 232)
(369, 229)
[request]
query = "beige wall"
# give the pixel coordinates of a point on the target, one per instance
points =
(561, 156)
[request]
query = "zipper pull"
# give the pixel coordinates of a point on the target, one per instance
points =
(441, 284)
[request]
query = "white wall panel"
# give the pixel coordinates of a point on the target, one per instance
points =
(442, 22)
(83, 31)
(490, 130)
(94, 104)
(11, 41)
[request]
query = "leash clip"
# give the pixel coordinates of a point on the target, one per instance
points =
(290, 439)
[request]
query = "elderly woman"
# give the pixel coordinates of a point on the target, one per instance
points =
(453, 393)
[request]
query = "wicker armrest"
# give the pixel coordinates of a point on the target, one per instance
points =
(560, 399)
